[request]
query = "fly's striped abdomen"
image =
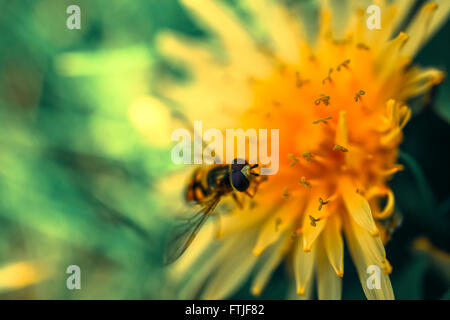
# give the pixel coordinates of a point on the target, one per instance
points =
(197, 190)
(207, 181)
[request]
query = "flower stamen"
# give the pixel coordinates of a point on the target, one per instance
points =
(305, 183)
(328, 77)
(339, 147)
(322, 203)
(343, 64)
(307, 156)
(294, 160)
(313, 220)
(325, 99)
(324, 120)
(359, 94)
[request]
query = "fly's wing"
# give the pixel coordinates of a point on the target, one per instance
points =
(183, 234)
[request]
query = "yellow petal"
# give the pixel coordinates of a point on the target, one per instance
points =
(303, 267)
(364, 255)
(283, 33)
(403, 7)
(218, 17)
(329, 284)
(419, 29)
(372, 245)
(232, 270)
(440, 17)
(274, 256)
(202, 271)
(420, 81)
(358, 207)
(310, 232)
(388, 59)
(293, 293)
(274, 227)
(334, 246)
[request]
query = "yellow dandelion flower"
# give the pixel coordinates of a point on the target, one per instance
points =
(339, 103)
(19, 275)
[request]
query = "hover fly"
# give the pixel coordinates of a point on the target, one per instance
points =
(206, 187)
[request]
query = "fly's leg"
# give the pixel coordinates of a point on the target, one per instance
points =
(238, 202)
(258, 180)
(249, 194)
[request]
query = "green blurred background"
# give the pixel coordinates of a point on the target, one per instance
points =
(77, 178)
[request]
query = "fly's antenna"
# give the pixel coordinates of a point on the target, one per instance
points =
(253, 167)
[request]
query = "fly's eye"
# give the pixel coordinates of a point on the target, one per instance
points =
(237, 166)
(239, 181)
